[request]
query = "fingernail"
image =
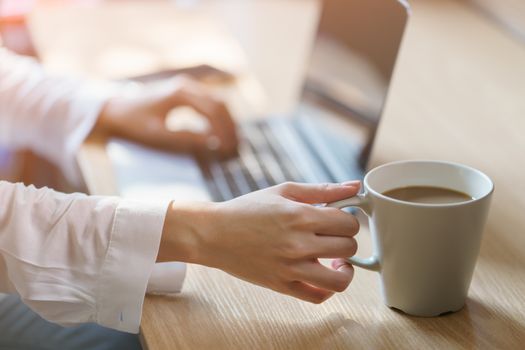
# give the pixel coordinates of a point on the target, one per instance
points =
(338, 264)
(353, 183)
(342, 267)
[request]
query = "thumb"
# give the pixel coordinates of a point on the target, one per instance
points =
(319, 193)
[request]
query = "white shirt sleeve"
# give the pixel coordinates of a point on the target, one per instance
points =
(48, 114)
(76, 258)
(72, 258)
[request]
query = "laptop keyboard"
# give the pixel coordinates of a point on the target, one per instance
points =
(263, 161)
(276, 150)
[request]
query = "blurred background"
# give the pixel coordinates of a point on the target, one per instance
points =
(214, 40)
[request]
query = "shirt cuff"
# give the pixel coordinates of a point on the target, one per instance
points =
(131, 256)
(86, 107)
(88, 104)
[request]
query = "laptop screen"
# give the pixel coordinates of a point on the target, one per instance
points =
(353, 58)
(355, 51)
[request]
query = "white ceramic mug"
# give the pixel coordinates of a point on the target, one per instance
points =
(425, 253)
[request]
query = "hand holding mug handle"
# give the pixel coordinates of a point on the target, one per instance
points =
(361, 202)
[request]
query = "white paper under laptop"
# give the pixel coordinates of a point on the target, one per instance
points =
(148, 174)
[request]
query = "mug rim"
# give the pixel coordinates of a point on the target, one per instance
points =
(430, 205)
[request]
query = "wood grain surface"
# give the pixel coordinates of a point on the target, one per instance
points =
(509, 13)
(458, 94)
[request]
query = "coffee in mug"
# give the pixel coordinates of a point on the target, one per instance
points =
(426, 222)
(427, 194)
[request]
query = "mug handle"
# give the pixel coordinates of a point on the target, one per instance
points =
(361, 202)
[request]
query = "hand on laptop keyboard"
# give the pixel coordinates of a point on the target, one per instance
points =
(141, 117)
(272, 238)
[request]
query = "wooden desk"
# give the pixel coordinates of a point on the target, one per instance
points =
(458, 94)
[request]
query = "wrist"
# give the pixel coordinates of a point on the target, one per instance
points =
(109, 115)
(185, 232)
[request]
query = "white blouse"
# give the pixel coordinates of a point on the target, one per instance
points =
(72, 258)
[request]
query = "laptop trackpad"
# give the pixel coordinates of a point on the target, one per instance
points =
(147, 174)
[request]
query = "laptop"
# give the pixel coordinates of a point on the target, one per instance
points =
(329, 136)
